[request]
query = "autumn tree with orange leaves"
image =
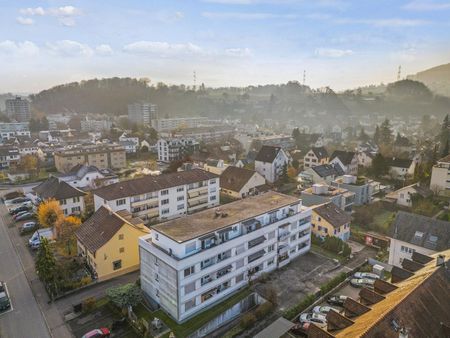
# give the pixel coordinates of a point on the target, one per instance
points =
(49, 213)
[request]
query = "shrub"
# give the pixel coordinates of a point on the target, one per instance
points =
(296, 309)
(88, 304)
(85, 280)
(330, 285)
(263, 310)
(271, 295)
(248, 320)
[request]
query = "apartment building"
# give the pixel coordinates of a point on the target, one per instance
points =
(360, 186)
(270, 162)
(9, 156)
(13, 129)
(142, 112)
(173, 149)
(105, 156)
(18, 109)
(321, 193)
(178, 122)
(206, 134)
(162, 197)
(440, 176)
(192, 263)
(88, 124)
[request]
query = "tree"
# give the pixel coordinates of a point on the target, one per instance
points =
(379, 166)
(446, 149)
(444, 135)
(363, 136)
(46, 265)
(30, 164)
(284, 174)
(49, 213)
(296, 134)
(292, 172)
(376, 135)
(386, 136)
(125, 295)
(65, 230)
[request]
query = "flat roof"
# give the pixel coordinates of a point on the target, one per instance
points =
(196, 225)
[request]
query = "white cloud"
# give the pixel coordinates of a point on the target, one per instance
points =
(332, 52)
(246, 16)
(69, 48)
(68, 22)
(427, 6)
(32, 11)
(64, 14)
(25, 48)
(394, 22)
(251, 2)
(64, 11)
(24, 21)
(104, 50)
(162, 48)
(238, 52)
(169, 17)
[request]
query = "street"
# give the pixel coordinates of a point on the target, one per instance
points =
(26, 319)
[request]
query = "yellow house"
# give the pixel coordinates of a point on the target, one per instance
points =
(109, 242)
(329, 220)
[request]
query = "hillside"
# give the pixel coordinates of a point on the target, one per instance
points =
(436, 78)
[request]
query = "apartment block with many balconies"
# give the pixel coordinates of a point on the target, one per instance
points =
(165, 196)
(193, 262)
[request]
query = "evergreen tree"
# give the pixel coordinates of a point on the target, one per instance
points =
(386, 136)
(379, 166)
(363, 136)
(296, 134)
(446, 149)
(376, 135)
(444, 135)
(46, 265)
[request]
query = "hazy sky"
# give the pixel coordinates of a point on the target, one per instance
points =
(227, 42)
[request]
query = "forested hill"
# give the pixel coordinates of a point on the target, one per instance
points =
(285, 101)
(436, 78)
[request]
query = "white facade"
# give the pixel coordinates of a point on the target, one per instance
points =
(9, 130)
(167, 203)
(95, 125)
(400, 173)
(272, 171)
(440, 177)
(399, 250)
(142, 112)
(185, 278)
(349, 169)
(172, 149)
(176, 122)
(311, 160)
(85, 181)
(72, 205)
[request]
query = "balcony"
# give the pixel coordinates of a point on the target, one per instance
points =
(283, 235)
(251, 225)
(283, 257)
(196, 203)
(256, 255)
(303, 233)
(197, 194)
(282, 249)
(256, 241)
(304, 221)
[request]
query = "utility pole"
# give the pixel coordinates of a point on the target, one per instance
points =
(399, 73)
(195, 81)
(304, 77)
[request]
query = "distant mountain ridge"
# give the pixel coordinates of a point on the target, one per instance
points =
(436, 78)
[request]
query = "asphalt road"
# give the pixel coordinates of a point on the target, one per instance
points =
(26, 319)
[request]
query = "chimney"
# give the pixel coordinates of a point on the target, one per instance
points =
(440, 260)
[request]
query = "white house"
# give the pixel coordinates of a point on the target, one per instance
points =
(347, 160)
(440, 176)
(70, 199)
(239, 182)
(314, 157)
(412, 233)
(162, 197)
(401, 168)
(194, 262)
(131, 144)
(325, 173)
(270, 162)
(404, 196)
(365, 158)
(88, 176)
(215, 166)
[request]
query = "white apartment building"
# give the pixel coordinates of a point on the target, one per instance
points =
(142, 112)
(440, 176)
(162, 197)
(172, 149)
(177, 122)
(9, 130)
(88, 124)
(270, 162)
(192, 263)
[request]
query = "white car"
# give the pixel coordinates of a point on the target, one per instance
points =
(369, 275)
(27, 226)
(318, 319)
(324, 309)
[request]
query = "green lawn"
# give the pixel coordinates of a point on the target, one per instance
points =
(183, 330)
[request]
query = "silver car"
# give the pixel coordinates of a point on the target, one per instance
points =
(318, 319)
(324, 309)
(366, 275)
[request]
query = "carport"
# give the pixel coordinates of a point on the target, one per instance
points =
(276, 329)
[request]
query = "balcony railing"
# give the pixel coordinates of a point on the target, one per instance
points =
(283, 235)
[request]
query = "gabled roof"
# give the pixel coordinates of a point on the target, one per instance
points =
(149, 183)
(234, 178)
(326, 170)
(267, 154)
(398, 162)
(420, 230)
(332, 214)
(320, 152)
(54, 188)
(80, 170)
(103, 225)
(345, 157)
(445, 159)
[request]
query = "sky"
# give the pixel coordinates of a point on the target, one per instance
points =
(337, 43)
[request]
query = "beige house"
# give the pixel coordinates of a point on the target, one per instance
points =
(239, 182)
(440, 177)
(102, 157)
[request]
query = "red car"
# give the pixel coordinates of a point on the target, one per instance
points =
(97, 333)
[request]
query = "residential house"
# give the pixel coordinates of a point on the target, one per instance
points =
(404, 196)
(12, 129)
(70, 199)
(215, 166)
(192, 263)
(329, 220)
(9, 156)
(411, 233)
(365, 158)
(88, 177)
(173, 149)
(239, 182)
(347, 161)
(109, 241)
(400, 168)
(360, 186)
(131, 144)
(162, 197)
(315, 157)
(270, 162)
(321, 174)
(319, 194)
(440, 176)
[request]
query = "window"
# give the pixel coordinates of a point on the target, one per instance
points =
(63, 202)
(270, 261)
(213, 198)
(240, 249)
(121, 202)
(164, 202)
(240, 263)
(76, 199)
(121, 237)
(190, 247)
(180, 198)
(189, 304)
(157, 237)
(239, 278)
(76, 210)
(325, 230)
(157, 277)
(180, 206)
(189, 271)
(164, 192)
(180, 189)
(164, 211)
(117, 265)
(121, 250)
(293, 238)
(271, 235)
(271, 248)
(188, 288)
(212, 181)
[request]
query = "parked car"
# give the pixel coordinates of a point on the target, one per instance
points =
(19, 209)
(360, 282)
(17, 200)
(366, 275)
(2, 286)
(5, 303)
(336, 300)
(324, 309)
(35, 240)
(97, 333)
(318, 319)
(301, 329)
(20, 213)
(25, 216)
(28, 226)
